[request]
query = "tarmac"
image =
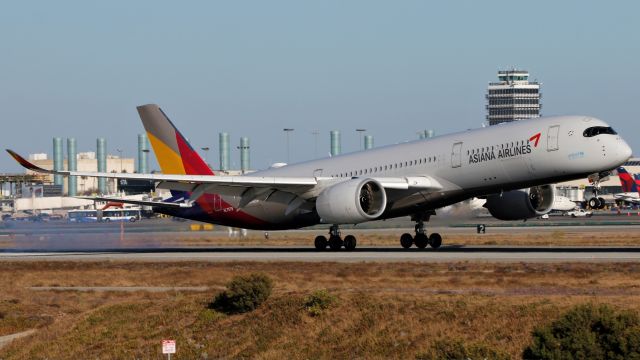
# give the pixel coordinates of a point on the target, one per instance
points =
(365, 254)
(62, 241)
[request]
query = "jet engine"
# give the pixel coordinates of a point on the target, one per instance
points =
(521, 204)
(351, 202)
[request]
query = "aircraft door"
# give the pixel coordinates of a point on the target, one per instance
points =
(552, 138)
(217, 203)
(456, 155)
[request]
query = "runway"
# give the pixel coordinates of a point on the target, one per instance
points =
(365, 254)
(162, 240)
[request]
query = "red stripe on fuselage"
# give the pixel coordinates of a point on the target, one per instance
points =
(194, 165)
(226, 213)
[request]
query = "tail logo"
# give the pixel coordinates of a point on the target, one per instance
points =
(535, 138)
(628, 183)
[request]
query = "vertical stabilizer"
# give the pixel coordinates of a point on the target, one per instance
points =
(175, 155)
(628, 183)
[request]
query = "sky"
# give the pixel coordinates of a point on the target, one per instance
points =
(251, 68)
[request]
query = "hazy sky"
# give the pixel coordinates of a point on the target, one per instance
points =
(252, 68)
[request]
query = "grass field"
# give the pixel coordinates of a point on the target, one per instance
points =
(556, 237)
(382, 311)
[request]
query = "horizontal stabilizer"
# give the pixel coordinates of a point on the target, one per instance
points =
(138, 202)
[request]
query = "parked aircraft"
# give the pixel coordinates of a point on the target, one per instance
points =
(563, 203)
(560, 203)
(630, 187)
(509, 164)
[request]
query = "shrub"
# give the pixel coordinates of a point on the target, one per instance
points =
(458, 349)
(588, 332)
(244, 293)
(318, 301)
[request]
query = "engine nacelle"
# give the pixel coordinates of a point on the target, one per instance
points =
(351, 202)
(521, 204)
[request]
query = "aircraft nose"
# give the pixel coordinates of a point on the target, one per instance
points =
(624, 150)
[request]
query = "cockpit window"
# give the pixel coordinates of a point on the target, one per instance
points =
(597, 130)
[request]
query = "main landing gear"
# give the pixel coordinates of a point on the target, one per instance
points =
(421, 240)
(335, 242)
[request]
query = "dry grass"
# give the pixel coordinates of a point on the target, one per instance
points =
(515, 237)
(560, 237)
(382, 311)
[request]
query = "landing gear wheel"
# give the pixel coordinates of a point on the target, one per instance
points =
(435, 240)
(421, 241)
(335, 243)
(594, 203)
(602, 203)
(320, 243)
(350, 242)
(406, 240)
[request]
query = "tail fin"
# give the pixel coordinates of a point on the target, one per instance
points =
(628, 183)
(175, 155)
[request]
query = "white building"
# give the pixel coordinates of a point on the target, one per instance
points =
(87, 162)
(512, 98)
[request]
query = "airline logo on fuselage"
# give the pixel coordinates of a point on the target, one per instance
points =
(506, 152)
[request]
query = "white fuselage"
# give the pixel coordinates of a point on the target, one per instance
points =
(477, 162)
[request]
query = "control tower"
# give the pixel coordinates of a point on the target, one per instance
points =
(513, 97)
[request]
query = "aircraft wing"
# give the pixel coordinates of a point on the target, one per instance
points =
(305, 187)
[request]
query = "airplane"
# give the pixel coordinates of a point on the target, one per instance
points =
(511, 165)
(563, 203)
(560, 203)
(630, 187)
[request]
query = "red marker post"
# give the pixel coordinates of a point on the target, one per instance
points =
(168, 347)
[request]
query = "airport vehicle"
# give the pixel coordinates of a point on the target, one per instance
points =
(510, 165)
(131, 215)
(81, 216)
(108, 215)
(630, 187)
(580, 213)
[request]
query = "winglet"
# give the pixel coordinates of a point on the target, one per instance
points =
(25, 163)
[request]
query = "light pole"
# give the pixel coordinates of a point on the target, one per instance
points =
(146, 153)
(206, 151)
(315, 143)
(120, 156)
(287, 131)
(360, 131)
